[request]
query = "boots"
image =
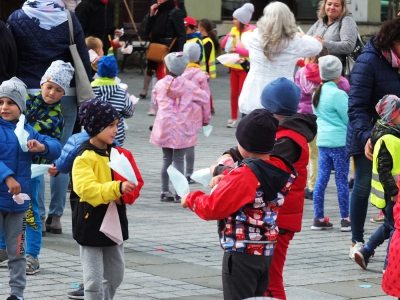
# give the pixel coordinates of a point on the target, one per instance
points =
(53, 224)
(43, 219)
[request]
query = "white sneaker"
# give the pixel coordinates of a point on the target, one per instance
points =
(152, 111)
(354, 249)
(232, 124)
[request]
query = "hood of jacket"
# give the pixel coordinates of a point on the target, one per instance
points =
(380, 130)
(174, 86)
(304, 124)
(86, 145)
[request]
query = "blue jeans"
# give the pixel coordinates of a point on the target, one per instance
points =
(59, 184)
(359, 196)
(386, 230)
(33, 222)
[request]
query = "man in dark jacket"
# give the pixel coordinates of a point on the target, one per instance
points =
(97, 19)
(8, 54)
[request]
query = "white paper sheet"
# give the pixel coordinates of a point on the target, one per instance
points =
(38, 170)
(20, 198)
(21, 133)
(228, 58)
(111, 225)
(207, 130)
(202, 176)
(120, 164)
(179, 181)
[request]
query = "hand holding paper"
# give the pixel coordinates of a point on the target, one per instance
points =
(179, 181)
(111, 225)
(120, 164)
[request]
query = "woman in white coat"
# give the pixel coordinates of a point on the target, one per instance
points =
(274, 48)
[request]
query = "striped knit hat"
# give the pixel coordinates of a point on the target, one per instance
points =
(388, 108)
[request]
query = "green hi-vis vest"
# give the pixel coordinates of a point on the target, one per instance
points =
(212, 68)
(203, 59)
(377, 193)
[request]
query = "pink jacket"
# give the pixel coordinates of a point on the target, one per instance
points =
(200, 78)
(176, 122)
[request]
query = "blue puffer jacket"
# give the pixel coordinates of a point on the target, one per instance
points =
(372, 78)
(69, 151)
(38, 48)
(15, 162)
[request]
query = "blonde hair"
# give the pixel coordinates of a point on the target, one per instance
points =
(321, 9)
(277, 27)
(93, 43)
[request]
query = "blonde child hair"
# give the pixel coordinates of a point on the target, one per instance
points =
(93, 43)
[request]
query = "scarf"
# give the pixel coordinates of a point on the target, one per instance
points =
(45, 13)
(161, 17)
(309, 78)
(193, 65)
(392, 58)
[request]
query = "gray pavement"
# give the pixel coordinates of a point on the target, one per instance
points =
(173, 254)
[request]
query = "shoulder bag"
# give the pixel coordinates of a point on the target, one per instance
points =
(352, 56)
(157, 52)
(84, 90)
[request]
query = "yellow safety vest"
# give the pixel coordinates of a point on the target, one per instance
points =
(203, 59)
(234, 31)
(392, 144)
(212, 68)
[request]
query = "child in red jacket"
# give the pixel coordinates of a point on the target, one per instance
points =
(246, 201)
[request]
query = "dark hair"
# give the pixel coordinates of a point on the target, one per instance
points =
(389, 33)
(323, 52)
(209, 28)
(317, 94)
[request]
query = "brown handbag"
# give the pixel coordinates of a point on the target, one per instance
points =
(156, 52)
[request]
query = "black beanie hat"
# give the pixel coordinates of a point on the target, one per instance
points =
(95, 115)
(256, 132)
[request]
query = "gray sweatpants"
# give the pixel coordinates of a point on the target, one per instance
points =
(103, 271)
(189, 161)
(14, 230)
(171, 155)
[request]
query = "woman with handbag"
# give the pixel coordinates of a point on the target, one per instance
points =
(335, 29)
(41, 32)
(164, 26)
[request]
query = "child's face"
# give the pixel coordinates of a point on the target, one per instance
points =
(9, 110)
(108, 134)
(236, 22)
(309, 60)
(99, 52)
(189, 30)
(51, 92)
(243, 152)
(396, 120)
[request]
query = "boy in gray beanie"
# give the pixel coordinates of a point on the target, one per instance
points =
(16, 155)
(43, 113)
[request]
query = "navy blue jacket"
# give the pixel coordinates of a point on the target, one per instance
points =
(372, 78)
(14, 162)
(38, 48)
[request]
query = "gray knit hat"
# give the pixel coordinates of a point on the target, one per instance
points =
(14, 89)
(193, 51)
(330, 67)
(176, 62)
(60, 73)
(244, 13)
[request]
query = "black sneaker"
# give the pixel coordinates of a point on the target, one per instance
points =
(362, 257)
(177, 199)
(318, 225)
(78, 294)
(167, 197)
(12, 297)
(309, 194)
(345, 225)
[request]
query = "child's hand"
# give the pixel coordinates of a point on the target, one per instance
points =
(232, 50)
(128, 187)
(13, 185)
(118, 201)
(183, 201)
(394, 198)
(215, 180)
(53, 171)
(35, 146)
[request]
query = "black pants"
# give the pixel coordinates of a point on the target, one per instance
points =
(244, 275)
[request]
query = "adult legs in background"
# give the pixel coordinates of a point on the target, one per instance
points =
(59, 184)
(275, 287)
(359, 196)
(146, 82)
(313, 166)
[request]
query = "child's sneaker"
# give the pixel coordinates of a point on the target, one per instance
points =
(77, 294)
(308, 194)
(362, 256)
(353, 248)
(167, 197)
(190, 180)
(12, 297)
(321, 225)
(232, 123)
(345, 225)
(3, 257)
(177, 199)
(385, 264)
(32, 265)
(378, 218)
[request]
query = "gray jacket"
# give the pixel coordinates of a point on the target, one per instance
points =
(339, 37)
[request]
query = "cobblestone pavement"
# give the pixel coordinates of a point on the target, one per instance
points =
(172, 254)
